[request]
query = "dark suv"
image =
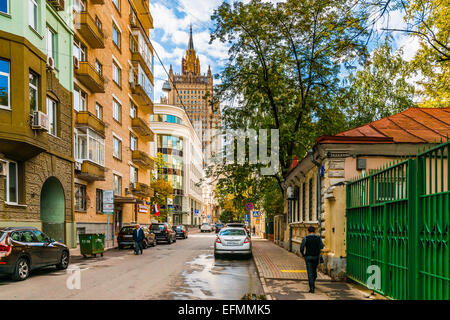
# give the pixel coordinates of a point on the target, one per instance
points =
(219, 226)
(125, 237)
(181, 231)
(164, 232)
(23, 249)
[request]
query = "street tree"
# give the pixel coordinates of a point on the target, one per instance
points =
(162, 189)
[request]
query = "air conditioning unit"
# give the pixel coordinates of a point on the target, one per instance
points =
(3, 168)
(40, 121)
(76, 63)
(57, 4)
(51, 63)
(133, 185)
(77, 166)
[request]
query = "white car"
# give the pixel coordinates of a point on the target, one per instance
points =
(206, 227)
(234, 241)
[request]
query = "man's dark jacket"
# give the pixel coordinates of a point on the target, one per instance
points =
(138, 235)
(313, 244)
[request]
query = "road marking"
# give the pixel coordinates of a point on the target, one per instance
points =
(294, 271)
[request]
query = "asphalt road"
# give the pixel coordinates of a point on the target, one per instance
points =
(184, 270)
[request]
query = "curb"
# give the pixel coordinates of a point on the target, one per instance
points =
(262, 280)
(80, 255)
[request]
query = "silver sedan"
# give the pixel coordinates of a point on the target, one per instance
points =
(233, 241)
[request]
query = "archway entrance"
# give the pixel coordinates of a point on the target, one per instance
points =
(53, 209)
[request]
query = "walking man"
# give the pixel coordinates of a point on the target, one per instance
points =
(313, 244)
(138, 237)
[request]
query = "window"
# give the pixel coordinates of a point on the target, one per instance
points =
(4, 6)
(99, 200)
(116, 73)
(79, 50)
(98, 23)
(133, 142)
(116, 35)
(79, 5)
(310, 200)
(33, 14)
(117, 111)
(52, 116)
(80, 197)
(11, 182)
(33, 85)
(51, 44)
(117, 148)
(98, 67)
(39, 236)
(117, 181)
(133, 174)
(117, 4)
(98, 111)
(89, 146)
(4, 84)
(133, 110)
(79, 99)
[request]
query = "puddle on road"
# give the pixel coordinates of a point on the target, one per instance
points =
(208, 278)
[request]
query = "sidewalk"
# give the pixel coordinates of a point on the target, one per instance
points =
(108, 246)
(283, 276)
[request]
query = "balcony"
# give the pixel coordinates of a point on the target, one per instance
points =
(142, 159)
(141, 189)
(89, 30)
(90, 77)
(90, 172)
(143, 13)
(137, 57)
(142, 129)
(141, 97)
(97, 1)
(86, 119)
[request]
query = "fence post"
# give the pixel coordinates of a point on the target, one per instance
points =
(413, 245)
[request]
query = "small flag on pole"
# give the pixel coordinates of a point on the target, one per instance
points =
(156, 209)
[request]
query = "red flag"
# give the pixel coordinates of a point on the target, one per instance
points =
(156, 209)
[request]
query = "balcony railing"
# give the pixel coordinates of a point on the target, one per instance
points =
(142, 129)
(87, 119)
(143, 13)
(141, 189)
(90, 171)
(87, 74)
(57, 4)
(137, 57)
(142, 159)
(141, 97)
(87, 27)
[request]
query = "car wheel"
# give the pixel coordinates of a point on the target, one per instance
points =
(64, 261)
(22, 270)
(120, 247)
(216, 256)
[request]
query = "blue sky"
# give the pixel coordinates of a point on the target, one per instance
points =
(171, 32)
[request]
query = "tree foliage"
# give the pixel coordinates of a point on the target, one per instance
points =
(162, 189)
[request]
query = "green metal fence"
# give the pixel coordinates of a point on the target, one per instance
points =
(398, 218)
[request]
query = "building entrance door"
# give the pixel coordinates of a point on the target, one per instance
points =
(52, 208)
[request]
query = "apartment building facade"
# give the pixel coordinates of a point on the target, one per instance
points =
(113, 101)
(181, 147)
(36, 130)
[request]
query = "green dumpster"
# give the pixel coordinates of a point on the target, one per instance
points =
(92, 244)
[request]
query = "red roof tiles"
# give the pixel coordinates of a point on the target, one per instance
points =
(414, 125)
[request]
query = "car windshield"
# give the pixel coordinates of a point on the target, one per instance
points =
(1, 234)
(219, 225)
(127, 230)
(206, 224)
(157, 227)
(233, 232)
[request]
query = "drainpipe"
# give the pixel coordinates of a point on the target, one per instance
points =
(319, 189)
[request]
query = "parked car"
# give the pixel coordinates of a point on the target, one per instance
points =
(181, 231)
(239, 225)
(164, 232)
(23, 249)
(233, 241)
(125, 237)
(219, 226)
(206, 227)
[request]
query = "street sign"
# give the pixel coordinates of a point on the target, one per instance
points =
(249, 206)
(108, 202)
(209, 217)
(256, 214)
(196, 212)
(142, 208)
(246, 217)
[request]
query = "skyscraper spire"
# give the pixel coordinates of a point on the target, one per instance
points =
(191, 41)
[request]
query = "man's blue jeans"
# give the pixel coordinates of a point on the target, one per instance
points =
(311, 268)
(137, 247)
